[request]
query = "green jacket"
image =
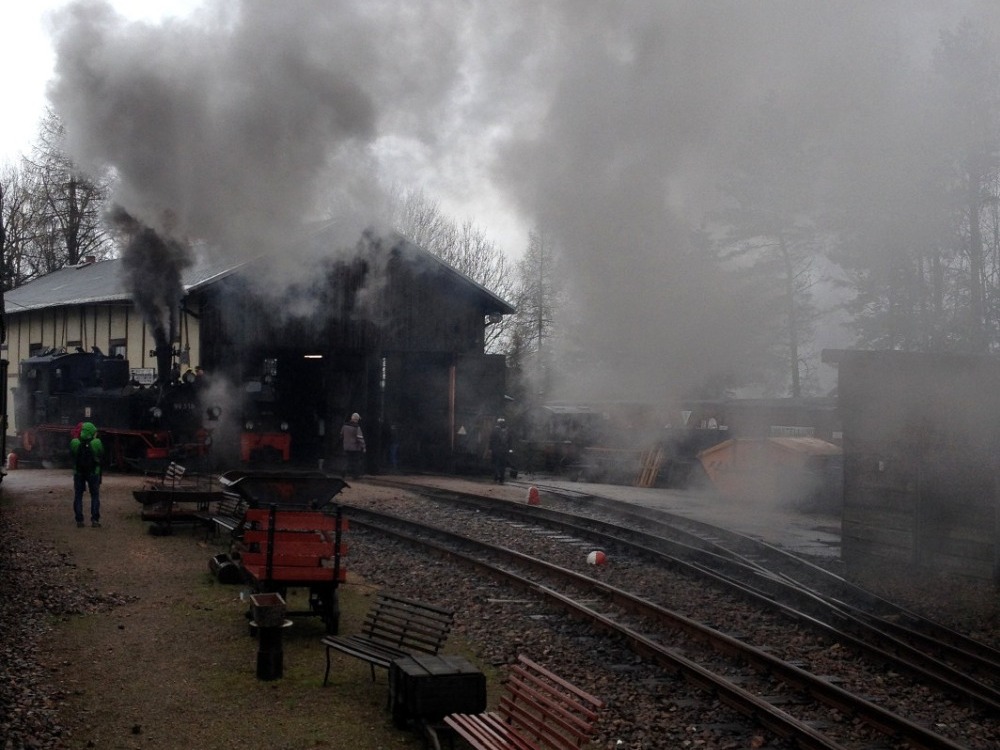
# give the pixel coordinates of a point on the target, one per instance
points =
(88, 431)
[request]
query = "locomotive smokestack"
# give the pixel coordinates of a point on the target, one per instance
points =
(153, 265)
(164, 357)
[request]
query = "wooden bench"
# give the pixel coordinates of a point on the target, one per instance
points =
(176, 497)
(282, 549)
(538, 709)
(393, 628)
(228, 514)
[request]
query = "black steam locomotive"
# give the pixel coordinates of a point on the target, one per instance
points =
(142, 426)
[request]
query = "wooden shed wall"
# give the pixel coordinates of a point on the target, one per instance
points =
(396, 337)
(920, 461)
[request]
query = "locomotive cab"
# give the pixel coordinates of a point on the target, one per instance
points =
(57, 390)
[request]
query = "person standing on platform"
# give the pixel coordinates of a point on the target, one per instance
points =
(354, 445)
(499, 448)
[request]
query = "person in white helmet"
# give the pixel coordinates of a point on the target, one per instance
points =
(354, 444)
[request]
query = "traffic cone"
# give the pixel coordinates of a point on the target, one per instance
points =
(533, 498)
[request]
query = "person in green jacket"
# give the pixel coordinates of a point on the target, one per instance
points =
(88, 453)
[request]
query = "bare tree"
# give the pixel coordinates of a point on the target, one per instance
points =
(537, 304)
(21, 239)
(920, 237)
(968, 64)
(465, 248)
(69, 205)
(3, 256)
(773, 236)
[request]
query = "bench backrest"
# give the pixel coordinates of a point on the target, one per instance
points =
(174, 473)
(546, 709)
(407, 625)
(231, 505)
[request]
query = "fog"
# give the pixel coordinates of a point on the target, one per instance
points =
(612, 127)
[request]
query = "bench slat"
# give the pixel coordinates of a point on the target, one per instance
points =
(529, 697)
(412, 620)
(487, 731)
(227, 514)
(174, 472)
(393, 628)
(363, 648)
(538, 709)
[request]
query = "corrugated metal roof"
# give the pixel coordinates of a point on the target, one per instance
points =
(95, 283)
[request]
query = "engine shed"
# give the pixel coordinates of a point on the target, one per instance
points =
(920, 439)
(385, 329)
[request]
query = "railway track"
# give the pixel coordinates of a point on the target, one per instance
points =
(710, 653)
(796, 569)
(773, 576)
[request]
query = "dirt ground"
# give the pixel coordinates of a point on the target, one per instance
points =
(165, 659)
(171, 663)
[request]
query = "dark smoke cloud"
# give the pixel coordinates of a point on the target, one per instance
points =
(609, 126)
(153, 263)
(247, 118)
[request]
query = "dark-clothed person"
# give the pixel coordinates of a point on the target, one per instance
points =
(394, 446)
(88, 455)
(499, 448)
(354, 444)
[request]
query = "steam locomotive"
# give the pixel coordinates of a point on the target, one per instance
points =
(143, 426)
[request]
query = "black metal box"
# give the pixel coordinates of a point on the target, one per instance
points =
(427, 688)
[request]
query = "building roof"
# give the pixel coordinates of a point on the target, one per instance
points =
(104, 282)
(96, 283)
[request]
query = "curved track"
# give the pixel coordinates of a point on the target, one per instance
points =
(757, 573)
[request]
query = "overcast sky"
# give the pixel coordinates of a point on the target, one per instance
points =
(28, 48)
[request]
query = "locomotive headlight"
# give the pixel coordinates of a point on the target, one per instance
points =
(284, 426)
(157, 412)
(248, 426)
(213, 413)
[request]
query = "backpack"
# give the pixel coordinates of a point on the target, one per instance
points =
(86, 461)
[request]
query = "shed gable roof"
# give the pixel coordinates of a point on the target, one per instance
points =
(103, 282)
